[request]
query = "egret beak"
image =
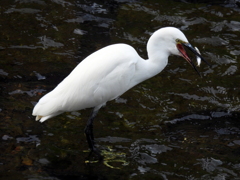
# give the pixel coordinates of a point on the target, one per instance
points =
(185, 56)
(191, 48)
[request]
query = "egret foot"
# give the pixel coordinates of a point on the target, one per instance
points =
(97, 152)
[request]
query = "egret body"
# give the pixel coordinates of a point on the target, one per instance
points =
(108, 73)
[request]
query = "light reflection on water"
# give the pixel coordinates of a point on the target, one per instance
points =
(176, 125)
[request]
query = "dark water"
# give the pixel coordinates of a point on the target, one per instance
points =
(173, 126)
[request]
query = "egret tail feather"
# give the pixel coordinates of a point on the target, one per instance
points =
(38, 117)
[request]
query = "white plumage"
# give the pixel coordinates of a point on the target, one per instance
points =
(109, 72)
(102, 76)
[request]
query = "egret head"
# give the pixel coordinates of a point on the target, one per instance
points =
(172, 41)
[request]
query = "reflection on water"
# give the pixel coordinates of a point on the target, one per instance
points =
(173, 126)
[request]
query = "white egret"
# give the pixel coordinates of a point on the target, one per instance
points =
(108, 73)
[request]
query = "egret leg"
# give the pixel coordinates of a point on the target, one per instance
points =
(89, 134)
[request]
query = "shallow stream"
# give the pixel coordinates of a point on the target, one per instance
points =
(176, 125)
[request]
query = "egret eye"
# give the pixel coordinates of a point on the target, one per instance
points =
(178, 41)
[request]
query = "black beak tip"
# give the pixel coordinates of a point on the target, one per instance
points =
(210, 65)
(199, 74)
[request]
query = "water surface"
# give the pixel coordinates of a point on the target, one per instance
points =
(173, 126)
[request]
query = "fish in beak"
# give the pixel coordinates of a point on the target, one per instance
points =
(180, 46)
(198, 58)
